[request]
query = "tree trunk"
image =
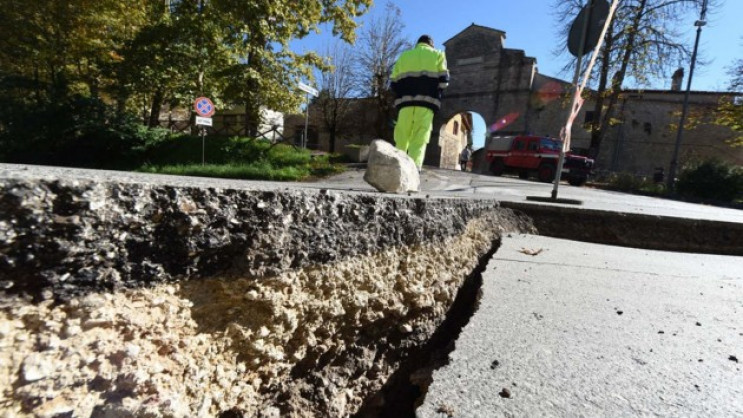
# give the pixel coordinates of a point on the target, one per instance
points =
(252, 114)
(331, 140)
(157, 104)
(617, 81)
(601, 92)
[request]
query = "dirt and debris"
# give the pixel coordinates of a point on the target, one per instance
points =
(529, 251)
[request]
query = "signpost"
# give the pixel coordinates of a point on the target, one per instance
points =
(311, 91)
(203, 121)
(204, 110)
(586, 33)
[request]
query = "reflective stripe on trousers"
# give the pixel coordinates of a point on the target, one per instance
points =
(413, 130)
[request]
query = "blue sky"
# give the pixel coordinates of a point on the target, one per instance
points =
(531, 26)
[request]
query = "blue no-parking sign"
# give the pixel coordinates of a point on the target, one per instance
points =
(204, 107)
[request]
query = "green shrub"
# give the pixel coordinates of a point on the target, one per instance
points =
(282, 155)
(711, 179)
(631, 183)
(236, 157)
(625, 182)
(79, 131)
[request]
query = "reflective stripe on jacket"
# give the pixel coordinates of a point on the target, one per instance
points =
(419, 76)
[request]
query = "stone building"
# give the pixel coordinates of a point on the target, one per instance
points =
(453, 137)
(504, 87)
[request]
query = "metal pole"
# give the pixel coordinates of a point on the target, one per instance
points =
(670, 182)
(576, 77)
(306, 122)
(203, 133)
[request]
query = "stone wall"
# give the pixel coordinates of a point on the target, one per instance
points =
(648, 135)
(356, 125)
(147, 297)
(645, 135)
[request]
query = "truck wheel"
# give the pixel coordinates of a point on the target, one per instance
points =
(577, 180)
(523, 174)
(497, 167)
(546, 173)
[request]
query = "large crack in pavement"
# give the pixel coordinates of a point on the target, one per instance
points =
(406, 389)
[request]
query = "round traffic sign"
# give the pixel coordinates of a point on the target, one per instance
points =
(204, 107)
(587, 27)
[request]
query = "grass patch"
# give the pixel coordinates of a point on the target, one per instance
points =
(237, 158)
(256, 171)
(630, 183)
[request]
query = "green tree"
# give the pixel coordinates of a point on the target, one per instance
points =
(259, 34)
(51, 49)
(177, 56)
(157, 52)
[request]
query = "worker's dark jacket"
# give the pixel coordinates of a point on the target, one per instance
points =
(419, 76)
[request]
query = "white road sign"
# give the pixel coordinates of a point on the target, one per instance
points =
(309, 89)
(203, 121)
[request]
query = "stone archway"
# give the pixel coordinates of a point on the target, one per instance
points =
(486, 78)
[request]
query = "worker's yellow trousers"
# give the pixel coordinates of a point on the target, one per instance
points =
(413, 130)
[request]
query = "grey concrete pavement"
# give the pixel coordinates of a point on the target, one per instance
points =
(591, 330)
(438, 182)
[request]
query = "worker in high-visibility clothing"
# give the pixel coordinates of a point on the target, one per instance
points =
(418, 79)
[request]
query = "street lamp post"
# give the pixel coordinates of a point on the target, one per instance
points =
(674, 160)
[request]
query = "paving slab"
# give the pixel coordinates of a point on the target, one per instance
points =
(452, 183)
(591, 330)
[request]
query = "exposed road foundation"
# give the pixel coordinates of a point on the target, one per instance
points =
(137, 298)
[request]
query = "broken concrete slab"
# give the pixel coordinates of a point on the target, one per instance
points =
(593, 330)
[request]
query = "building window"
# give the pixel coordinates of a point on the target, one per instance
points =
(456, 128)
(648, 128)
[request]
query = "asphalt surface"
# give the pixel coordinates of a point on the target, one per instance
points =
(591, 330)
(434, 183)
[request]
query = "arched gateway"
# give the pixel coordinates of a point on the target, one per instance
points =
(488, 79)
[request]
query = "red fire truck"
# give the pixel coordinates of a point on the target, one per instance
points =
(535, 155)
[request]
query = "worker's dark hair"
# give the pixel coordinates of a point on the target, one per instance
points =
(425, 39)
